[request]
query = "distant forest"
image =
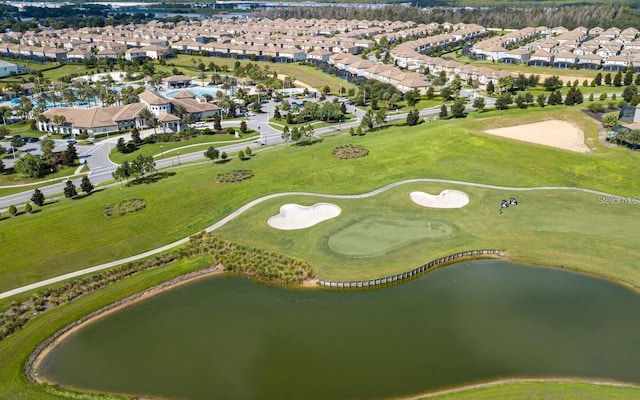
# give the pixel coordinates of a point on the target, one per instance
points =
(498, 17)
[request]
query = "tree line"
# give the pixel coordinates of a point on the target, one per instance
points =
(511, 16)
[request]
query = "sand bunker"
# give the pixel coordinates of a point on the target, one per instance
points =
(295, 216)
(553, 133)
(446, 199)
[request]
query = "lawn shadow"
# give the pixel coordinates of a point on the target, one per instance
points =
(151, 178)
(309, 142)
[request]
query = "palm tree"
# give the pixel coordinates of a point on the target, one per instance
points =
(145, 115)
(179, 110)
(153, 122)
(59, 120)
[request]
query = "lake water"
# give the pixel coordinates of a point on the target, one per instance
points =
(232, 338)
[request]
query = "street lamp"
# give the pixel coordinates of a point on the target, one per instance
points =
(53, 174)
(161, 152)
(178, 156)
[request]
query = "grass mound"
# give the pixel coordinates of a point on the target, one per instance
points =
(126, 206)
(237, 175)
(349, 151)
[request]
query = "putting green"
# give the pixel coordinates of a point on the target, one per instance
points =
(377, 236)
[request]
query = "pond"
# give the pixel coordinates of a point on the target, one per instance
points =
(232, 338)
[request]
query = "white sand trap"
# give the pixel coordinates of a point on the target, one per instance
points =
(295, 216)
(553, 133)
(446, 199)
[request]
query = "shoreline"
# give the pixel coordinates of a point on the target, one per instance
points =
(32, 365)
(510, 381)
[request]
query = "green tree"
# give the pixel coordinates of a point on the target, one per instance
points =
(490, 88)
(503, 101)
(286, 134)
(241, 155)
(38, 197)
(212, 154)
(457, 108)
(326, 90)
(598, 79)
(122, 172)
(243, 127)
(541, 100)
(521, 102)
(13, 211)
(70, 190)
(629, 92)
(46, 146)
(430, 93)
(29, 166)
(607, 79)
(552, 83)
(413, 117)
(142, 165)
(478, 103)
(121, 146)
(85, 185)
(17, 141)
(380, 116)
(296, 135)
(70, 155)
(224, 156)
(248, 151)
(412, 97)
(443, 111)
(217, 125)
(28, 208)
(628, 77)
(352, 132)
(617, 79)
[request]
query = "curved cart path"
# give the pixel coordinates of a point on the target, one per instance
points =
(259, 200)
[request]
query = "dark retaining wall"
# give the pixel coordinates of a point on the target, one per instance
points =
(398, 278)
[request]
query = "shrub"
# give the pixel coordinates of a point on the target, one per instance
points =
(349, 151)
(28, 208)
(237, 175)
(13, 210)
(126, 206)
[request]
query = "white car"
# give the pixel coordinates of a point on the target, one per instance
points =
(199, 124)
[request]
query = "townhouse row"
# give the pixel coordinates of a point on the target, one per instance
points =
(596, 48)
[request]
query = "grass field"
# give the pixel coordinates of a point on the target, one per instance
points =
(565, 229)
(200, 143)
(309, 75)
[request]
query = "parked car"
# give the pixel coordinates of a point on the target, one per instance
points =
(72, 141)
(9, 150)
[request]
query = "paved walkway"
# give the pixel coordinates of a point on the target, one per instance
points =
(249, 205)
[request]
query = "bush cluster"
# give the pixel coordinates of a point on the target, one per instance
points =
(243, 260)
(126, 206)
(349, 151)
(237, 175)
(256, 263)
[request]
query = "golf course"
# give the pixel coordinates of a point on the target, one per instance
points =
(576, 210)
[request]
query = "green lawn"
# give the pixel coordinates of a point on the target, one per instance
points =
(565, 229)
(544, 390)
(13, 179)
(164, 150)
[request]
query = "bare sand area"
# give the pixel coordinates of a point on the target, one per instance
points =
(554, 133)
(295, 216)
(446, 199)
